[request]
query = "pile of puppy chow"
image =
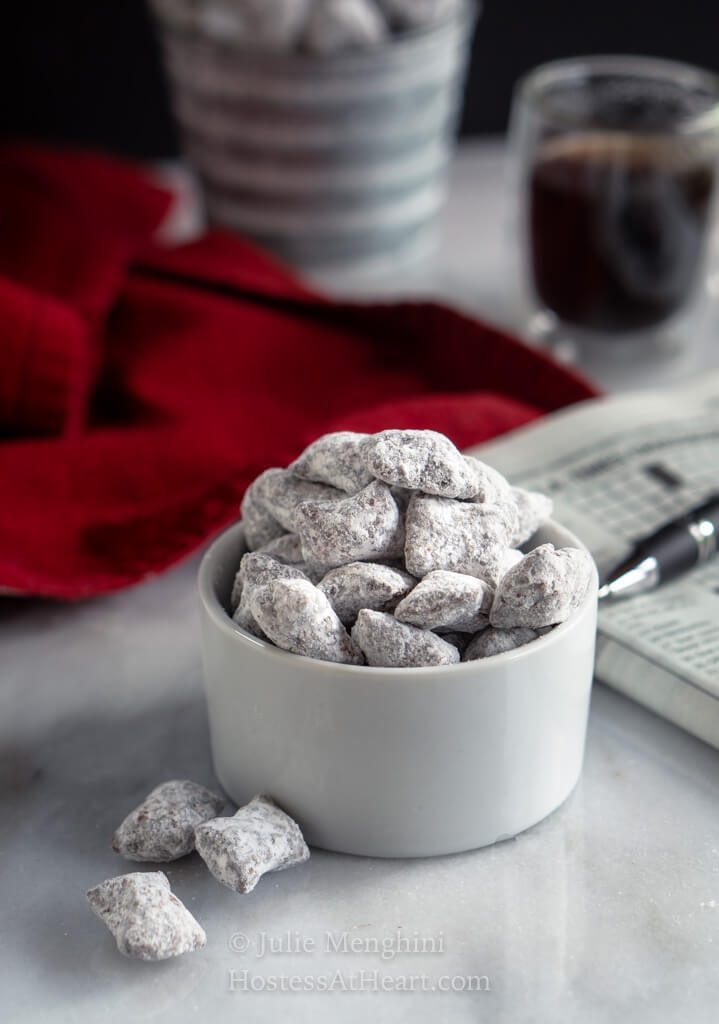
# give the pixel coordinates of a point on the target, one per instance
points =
(320, 27)
(395, 550)
(146, 919)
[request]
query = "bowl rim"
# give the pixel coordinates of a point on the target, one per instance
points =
(220, 617)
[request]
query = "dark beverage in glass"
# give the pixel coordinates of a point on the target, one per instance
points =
(618, 164)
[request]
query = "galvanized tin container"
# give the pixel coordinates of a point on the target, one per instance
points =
(321, 159)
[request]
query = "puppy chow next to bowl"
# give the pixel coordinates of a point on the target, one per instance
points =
(146, 919)
(395, 550)
(162, 827)
(259, 838)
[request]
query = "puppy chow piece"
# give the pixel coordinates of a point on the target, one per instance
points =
(243, 617)
(258, 838)
(297, 617)
(336, 459)
(260, 526)
(358, 585)
(491, 487)
(288, 549)
(510, 557)
(543, 589)
(236, 594)
(364, 527)
(533, 509)
(269, 25)
(280, 492)
(421, 460)
(497, 641)
(146, 919)
(162, 827)
(404, 14)
(447, 601)
(391, 644)
(256, 569)
(464, 537)
(338, 25)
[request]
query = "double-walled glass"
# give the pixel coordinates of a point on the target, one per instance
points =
(616, 163)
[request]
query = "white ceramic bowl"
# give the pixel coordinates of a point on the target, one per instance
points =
(404, 762)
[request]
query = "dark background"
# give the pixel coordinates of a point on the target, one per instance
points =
(88, 71)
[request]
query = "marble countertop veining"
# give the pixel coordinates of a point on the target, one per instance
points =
(607, 910)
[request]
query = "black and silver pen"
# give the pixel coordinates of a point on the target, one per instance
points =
(686, 541)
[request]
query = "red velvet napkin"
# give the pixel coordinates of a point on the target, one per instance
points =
(142, 388)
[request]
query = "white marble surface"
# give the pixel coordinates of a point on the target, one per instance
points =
(608, 910)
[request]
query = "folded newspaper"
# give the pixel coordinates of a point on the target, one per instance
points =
(617, 468)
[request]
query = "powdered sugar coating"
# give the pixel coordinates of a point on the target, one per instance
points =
(260, 526)
(236, 593)
(464, 537)
(420, 460)
(364, 527)
(543, 589)
(388, 643)
(337, 25)
(162, 827)
(427, 513)
(280, 491)
(358, 585)
(257, 569)
(447, 601)
(288, 549)
(259, 838)
(243, 617)
(491, 487)
(336, 459)
(533, 509)
(297, 617)
(497, 641)
(146, 919)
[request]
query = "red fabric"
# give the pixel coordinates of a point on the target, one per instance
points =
(142, 388)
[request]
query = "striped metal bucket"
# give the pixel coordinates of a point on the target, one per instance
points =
(321, 159)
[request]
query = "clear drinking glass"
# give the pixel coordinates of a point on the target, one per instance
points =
(616, 159)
